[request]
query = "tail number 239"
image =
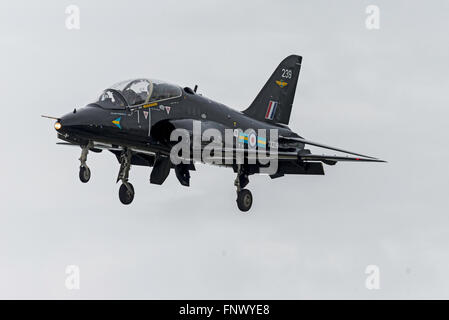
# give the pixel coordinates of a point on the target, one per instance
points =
(286, 73)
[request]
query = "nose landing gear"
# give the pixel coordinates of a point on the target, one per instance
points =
(84, 169)
(126, 191)
(244, 196)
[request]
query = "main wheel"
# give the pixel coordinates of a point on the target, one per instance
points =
(126, 194)
(244, 200)
(84, 174)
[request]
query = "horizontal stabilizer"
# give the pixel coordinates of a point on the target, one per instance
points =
(333, 159)
(316, 144)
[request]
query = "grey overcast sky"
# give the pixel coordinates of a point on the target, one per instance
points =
(379, 92)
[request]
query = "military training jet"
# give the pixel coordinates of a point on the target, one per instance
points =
(136, 119)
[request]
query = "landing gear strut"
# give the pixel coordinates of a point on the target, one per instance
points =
(244, 196)
(126, 191)
(84, 169)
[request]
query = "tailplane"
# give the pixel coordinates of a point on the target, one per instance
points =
(274, 102)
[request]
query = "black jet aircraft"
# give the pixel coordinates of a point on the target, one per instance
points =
(134, 120)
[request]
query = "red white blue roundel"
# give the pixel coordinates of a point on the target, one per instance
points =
(252, 140)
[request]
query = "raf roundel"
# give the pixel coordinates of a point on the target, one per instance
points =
(252, 140)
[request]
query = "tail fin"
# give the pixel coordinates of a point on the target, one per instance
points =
(274, 102)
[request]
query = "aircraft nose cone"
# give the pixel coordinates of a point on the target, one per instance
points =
(63, 124)
(68, 119)
(80, 122)
(70, 122)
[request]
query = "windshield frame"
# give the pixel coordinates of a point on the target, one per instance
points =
(118, 95)
(118, 88)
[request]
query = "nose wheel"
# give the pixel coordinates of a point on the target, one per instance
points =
(84, 169)
(126, 191)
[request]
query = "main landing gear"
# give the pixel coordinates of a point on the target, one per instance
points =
(244, 196)
(126, 191)
(84, 169)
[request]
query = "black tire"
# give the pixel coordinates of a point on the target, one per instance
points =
(126, 196)
(244, 200)
(84, 174)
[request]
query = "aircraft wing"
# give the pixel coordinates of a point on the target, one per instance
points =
(95, 145)
(98, 147)
(230, 153)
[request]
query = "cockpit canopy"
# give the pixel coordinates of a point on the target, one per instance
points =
(137, 92)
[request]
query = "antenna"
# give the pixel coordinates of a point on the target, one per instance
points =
(50, 117)
(196, 87)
